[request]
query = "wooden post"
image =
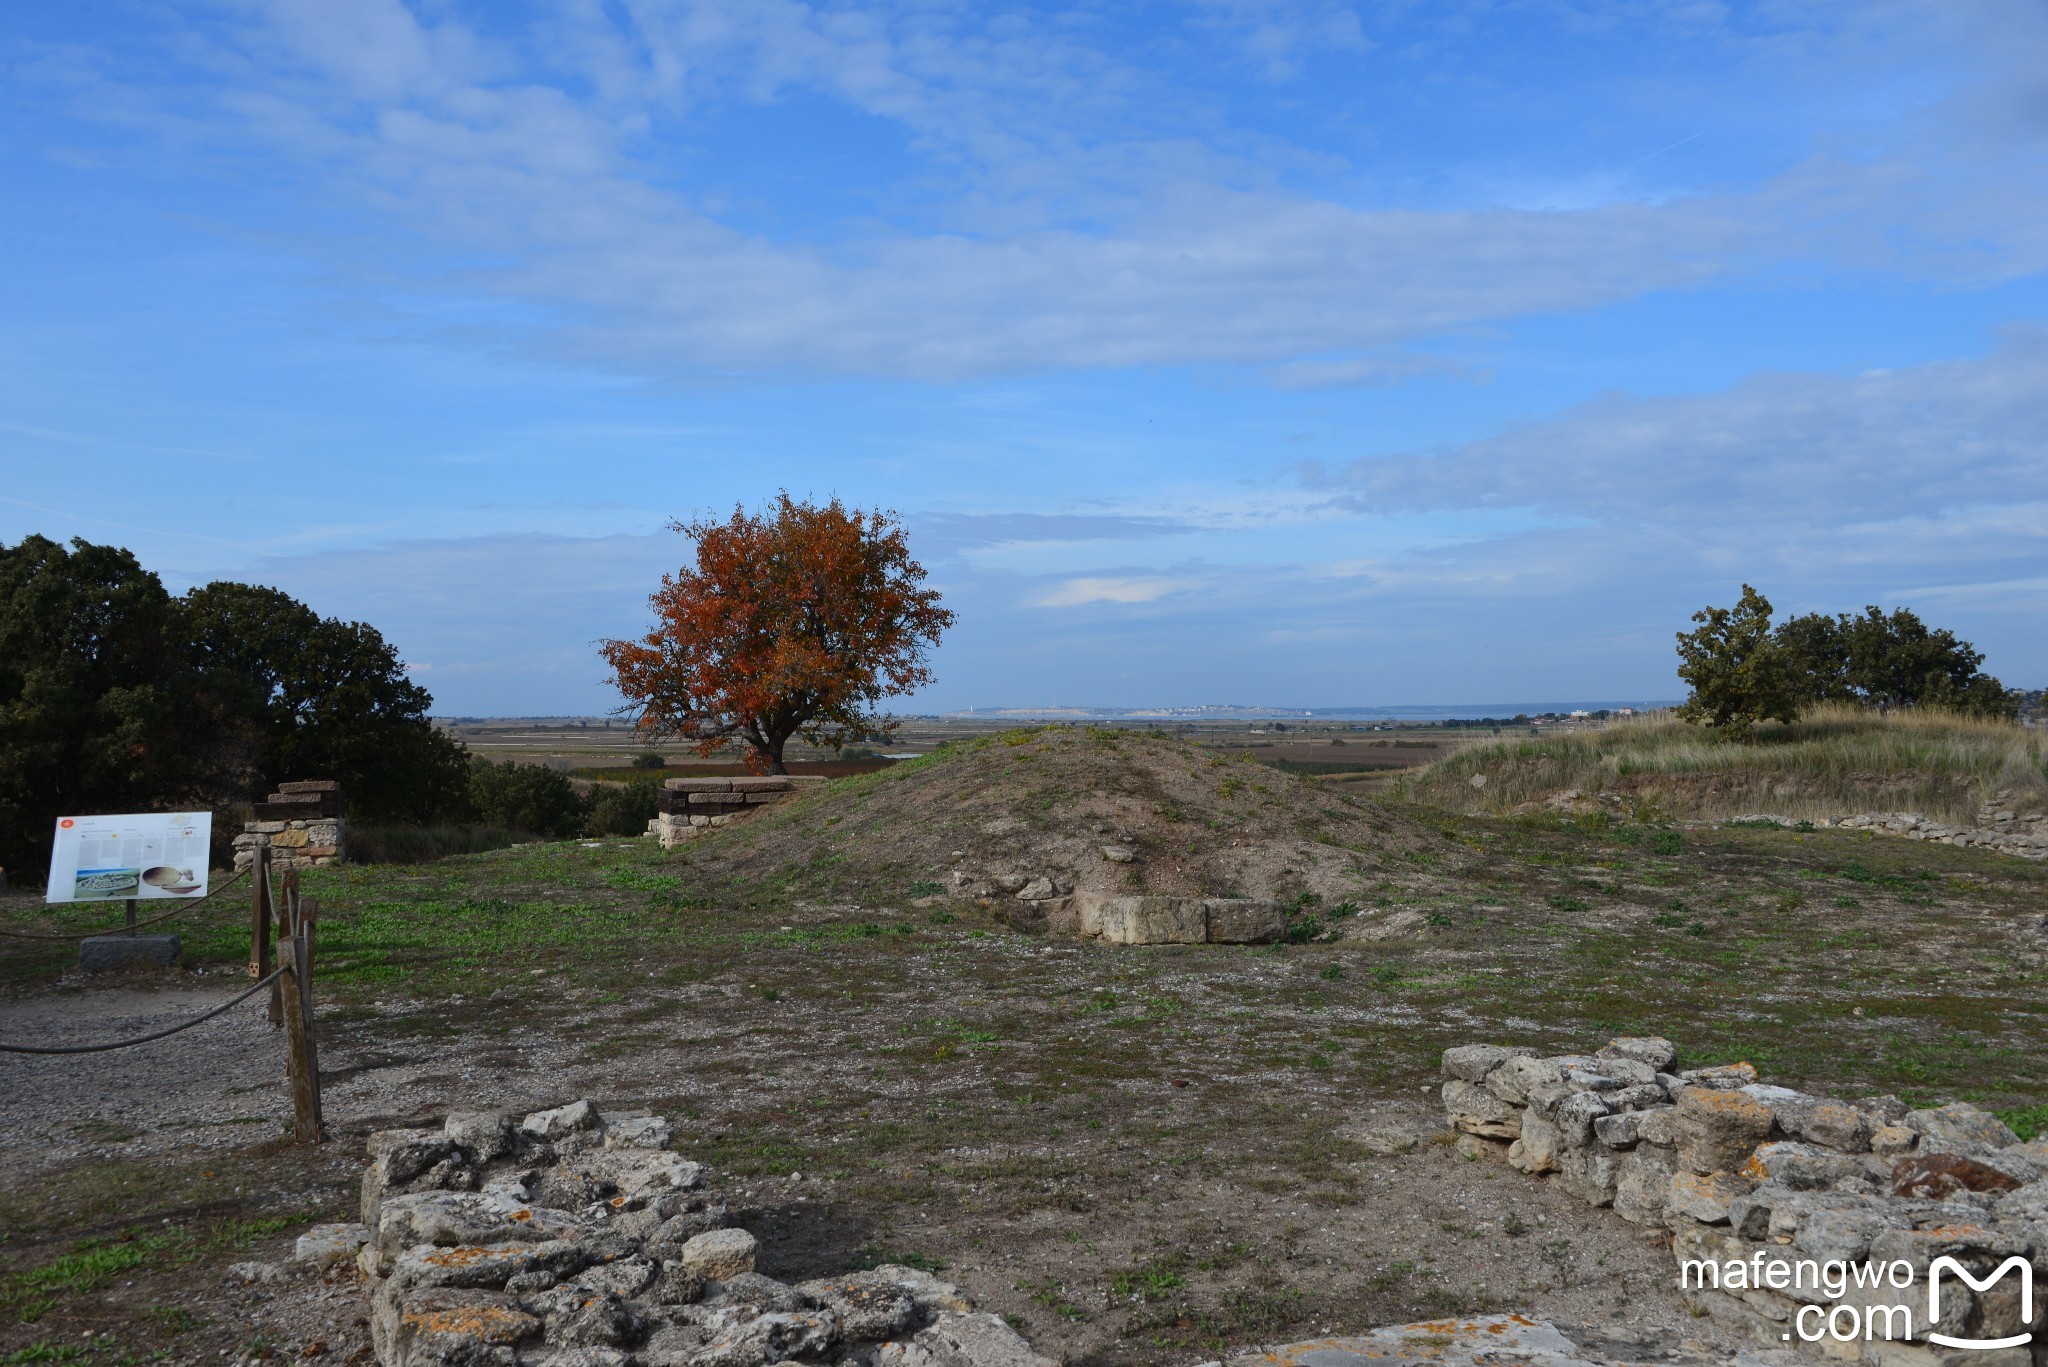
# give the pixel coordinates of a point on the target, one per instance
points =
(259, 913)
(131, 916)
(302, 1063)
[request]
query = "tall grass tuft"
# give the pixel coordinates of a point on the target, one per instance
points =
(1834, 761)
(422, 844)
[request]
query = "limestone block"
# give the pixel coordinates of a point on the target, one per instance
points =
(1473, 1062)
(485, 1134)
(982, 1340)
(456, 1326)
(1537, 1147)
(1245, 921)
(103, 953)
(1725, 1078)
(869, 1305)
(1574, 1117)
(1590, 1173)
(1660, 1054)
(1642, 1187)
(1154, 921)
(1718, 1130)
(562, 1120)
(1959, 1128)
(1705, 1198)
(325, 1246)
(1474, 1110)
(1520, 1073)
(719, 1254)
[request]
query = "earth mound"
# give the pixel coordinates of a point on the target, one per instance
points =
(1112, 813)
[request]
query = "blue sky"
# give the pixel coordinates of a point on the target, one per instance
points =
(1299, 352)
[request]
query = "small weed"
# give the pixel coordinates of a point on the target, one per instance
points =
(1333, 972)
(1666, 842)
(1569, 903)
(2028, 1122)
(924, 889)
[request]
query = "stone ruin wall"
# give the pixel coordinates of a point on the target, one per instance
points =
(302, 824)
(1732, 1170)
(574, 1238)
(692, 806)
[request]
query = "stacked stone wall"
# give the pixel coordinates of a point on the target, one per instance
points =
(303, 824)
(692, 806)
(1781, 1184)
(574, 1238)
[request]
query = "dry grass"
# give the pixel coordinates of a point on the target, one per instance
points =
(1834, 761)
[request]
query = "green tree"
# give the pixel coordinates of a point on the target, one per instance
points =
(1816, 651)
(526, 797)
(96, 711)
(1896, 660)
(1737, 671)
(330, 699)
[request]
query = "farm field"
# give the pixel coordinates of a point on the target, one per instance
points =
(1144, 1155)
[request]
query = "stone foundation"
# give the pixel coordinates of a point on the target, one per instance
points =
(1763, 1189)
(301, 823)
(578, 1239)
(692, 806)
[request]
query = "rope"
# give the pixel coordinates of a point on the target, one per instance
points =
(260, 984)
(179, 910)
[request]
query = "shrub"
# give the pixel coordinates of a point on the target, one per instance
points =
(624, 808)
(421, 844)
(649, 762)
(527, 797)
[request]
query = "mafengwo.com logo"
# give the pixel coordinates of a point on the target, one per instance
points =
(1880, 1307)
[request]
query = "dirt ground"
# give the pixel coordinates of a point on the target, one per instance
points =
(1146, 1155)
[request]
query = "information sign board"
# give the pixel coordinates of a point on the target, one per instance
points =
(143, 855)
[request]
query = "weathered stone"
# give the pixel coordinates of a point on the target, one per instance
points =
(562, 1120)
(1938, 1176)
(641, 1173)
(621, 1277)
(480, 1265)
(1705, 1198)
(483, 1134)
(1726, 1077)
(1640, 1097)
(591, 1319)
(1244, 921)
(403, 1161)
(930, 1295)
(720, 1254)
(676, 1285)
(870, 1305)
(1119, 854)
(105, 953)
(1473, 1062)
(1590, 1173)
(1658, 1125)
(1959, 1128)
(454, 1219)
(446, 1327)
(1536, 1151)
(1037, 890)
(763, 1294)
(1474, 1110)
(1821, 1121)
(955, 1340)
(1891, 1141)
(687, 1215)
(772, 1339)
(1882, 1110)
(1718, 1130)
(637, 1132)
(1149, 920)
(1619, 1130)
(1642, 1185)
(1660, 1054)
(1806, 1167)
(1517, 1075)
(330, 1245)
(1574, 1117)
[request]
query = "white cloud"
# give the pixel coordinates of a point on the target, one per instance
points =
(1069, 209)
(1074, 593)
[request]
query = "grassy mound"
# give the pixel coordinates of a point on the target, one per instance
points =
(1833, 762)
(1043, 802)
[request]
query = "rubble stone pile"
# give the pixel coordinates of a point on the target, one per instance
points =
(692, 806)
(301, 822)
(1999, 827)
(570, 1238)
(1764, 1189)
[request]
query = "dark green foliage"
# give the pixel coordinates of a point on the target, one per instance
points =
(97, 713)
(526, 797)
(1743, 672)
(330, 700)
(649, 762)
(1738, 675)
(624, 808)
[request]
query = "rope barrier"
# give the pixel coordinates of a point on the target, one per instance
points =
(258, 986)
(180, 910)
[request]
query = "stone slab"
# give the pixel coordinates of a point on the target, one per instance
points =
(102, 953)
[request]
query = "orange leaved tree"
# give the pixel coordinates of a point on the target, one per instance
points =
(796, 621)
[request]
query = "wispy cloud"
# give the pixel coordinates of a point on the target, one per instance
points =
(1075, 593)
